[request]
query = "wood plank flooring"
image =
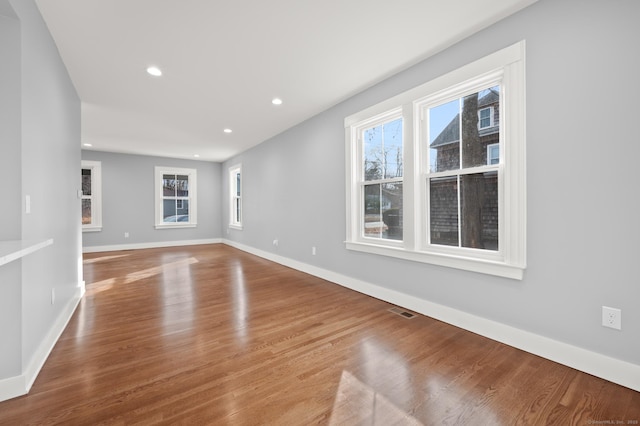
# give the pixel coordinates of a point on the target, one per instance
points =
(211, 335)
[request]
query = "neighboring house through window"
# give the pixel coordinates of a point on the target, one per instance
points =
(176, 197)
(235, 197)
(91, 174)
(429, 178)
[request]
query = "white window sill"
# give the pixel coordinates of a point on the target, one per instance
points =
(238, 227)
(468, 264)
(92, 229)
(171, 226)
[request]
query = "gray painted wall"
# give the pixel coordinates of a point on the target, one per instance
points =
(128, 200)
(582, 155)
(48, 112)
(10, 211)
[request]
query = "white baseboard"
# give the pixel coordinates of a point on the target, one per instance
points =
(138, 246)
(20, 385)
(12, 387)
(599, 365)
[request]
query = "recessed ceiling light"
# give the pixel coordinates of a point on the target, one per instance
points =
(196, 155)
(276, 101)
(87, 144)
(154, 71)
(227, 130)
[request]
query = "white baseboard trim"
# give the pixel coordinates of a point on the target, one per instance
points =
(12, 387)
(596, 364)
(20, 385)
(139, 246)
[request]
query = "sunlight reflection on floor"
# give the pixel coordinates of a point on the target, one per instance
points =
(146, 273)
(100, 286)
(103, 258)
(357, 403)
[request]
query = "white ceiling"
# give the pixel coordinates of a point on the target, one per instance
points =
(224, 61)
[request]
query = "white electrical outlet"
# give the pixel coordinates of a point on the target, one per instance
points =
(612, 318)
(275, 243)
(313, 250)
(53, 296)
(126, 235)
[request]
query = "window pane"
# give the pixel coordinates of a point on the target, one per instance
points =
(237, 210)
(383, 151)
(391, 208)
(175, 211)
(238, 184)
(86, 181)
(86, 212)
(479, 210)
(169, 185)
(373, 225)
(392, 149)
(476, 137)
(444, 137)
(182, 210)
(373, 153)
(182, 186)
(471, 116)
(443, 212)
(383, 211)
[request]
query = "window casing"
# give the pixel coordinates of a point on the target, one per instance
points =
(463, 201)
(175, 197)
(235, 197)
(91, 175)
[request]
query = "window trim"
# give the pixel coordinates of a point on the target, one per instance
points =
(95, 197)
(193, 197)
(507, 66)
(233, 190)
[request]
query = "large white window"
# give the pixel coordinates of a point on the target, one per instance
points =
(437, 174)
(91, 175)
(176, 197)
(235, 197)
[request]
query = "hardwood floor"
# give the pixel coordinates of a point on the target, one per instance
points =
(212, 335)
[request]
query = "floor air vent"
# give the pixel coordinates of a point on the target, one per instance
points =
(403, 313)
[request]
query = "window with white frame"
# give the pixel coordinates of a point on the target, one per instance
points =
(176, 197)
(235, 197)
(91, 175)
(485, 118)
(450, 172)
(380, 177)
(493, 153)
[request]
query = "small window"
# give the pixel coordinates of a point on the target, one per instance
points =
(175, 197)
(485, 118)
(91, 175)
(235, 197)
(493, 153)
